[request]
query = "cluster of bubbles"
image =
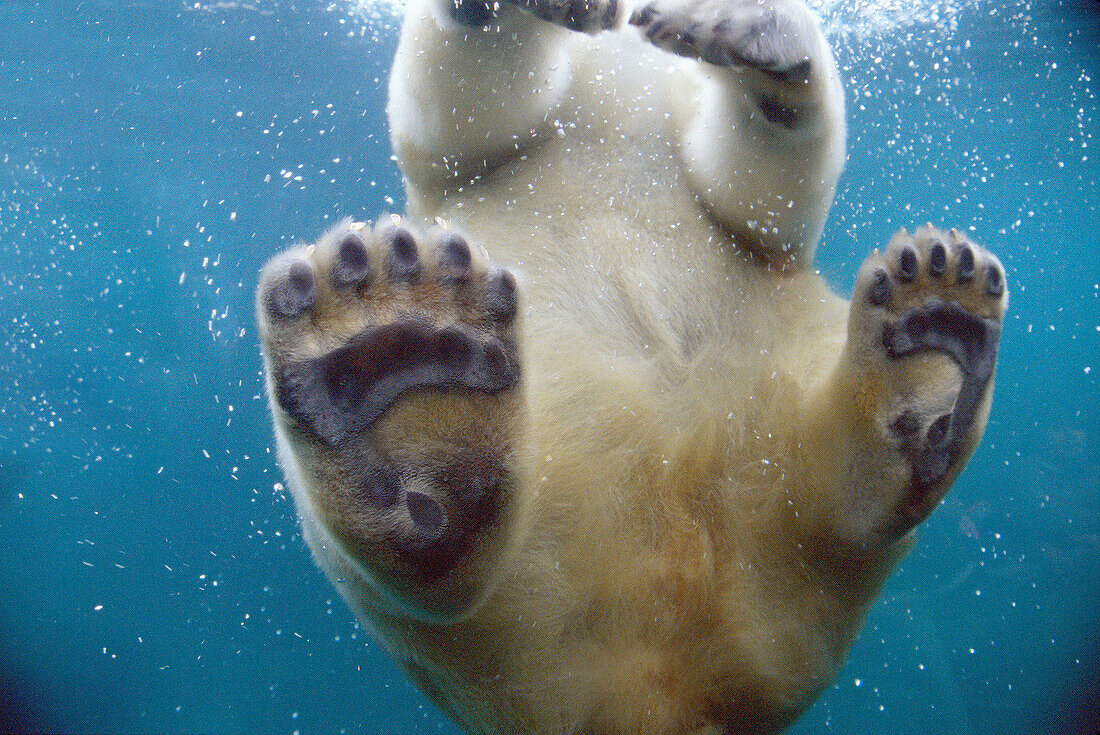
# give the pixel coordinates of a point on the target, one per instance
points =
(859, 21)
(845, 21)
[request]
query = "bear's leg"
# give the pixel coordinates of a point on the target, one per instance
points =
(764, 135)
(895, 422)
(393, 377)
(475, 82)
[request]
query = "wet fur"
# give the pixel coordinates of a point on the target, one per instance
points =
(704, 492)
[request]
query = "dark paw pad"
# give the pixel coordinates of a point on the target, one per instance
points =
(351, 266)
(291, 294)
(437, 511)
(937, 259)
(500, 297)
(455, 258)
(426, 515)
(344, 392)
(402, 260)
(971, 341)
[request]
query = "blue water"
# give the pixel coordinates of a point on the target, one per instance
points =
(154, 154)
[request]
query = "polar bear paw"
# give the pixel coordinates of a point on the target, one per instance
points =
(587, 16)
(780, 37)
(931, 292)
(393, 374)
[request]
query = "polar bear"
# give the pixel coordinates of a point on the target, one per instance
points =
(582, 438)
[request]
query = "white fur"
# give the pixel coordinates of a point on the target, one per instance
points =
(709, 497)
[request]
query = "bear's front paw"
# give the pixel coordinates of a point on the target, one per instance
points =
(586, 16)
(393, 372)
(932, 292)
(779, 37)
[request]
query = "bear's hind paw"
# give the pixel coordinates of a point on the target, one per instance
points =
(931, 292)
(393, 373)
